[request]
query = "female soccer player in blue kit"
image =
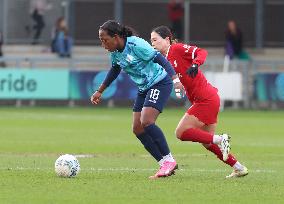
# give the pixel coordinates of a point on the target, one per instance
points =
(153, 75)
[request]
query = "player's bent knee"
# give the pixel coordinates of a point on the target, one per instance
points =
(178, 133)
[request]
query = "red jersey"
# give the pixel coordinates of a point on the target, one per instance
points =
(182, 56)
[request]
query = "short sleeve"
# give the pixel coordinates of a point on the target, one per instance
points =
(144, 50)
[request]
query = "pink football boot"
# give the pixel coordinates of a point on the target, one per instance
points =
(167, 169)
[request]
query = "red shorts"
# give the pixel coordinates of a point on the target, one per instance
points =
(206, 110)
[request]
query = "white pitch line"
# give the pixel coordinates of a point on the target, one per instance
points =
(135, 169)
(142, 155)
(100, 155)
(193, 170)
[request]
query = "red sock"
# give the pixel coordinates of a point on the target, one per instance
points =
(216, 150)
(197, 135)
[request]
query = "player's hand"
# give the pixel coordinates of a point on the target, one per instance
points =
(96, 97)
(179, 89)
(192, 71)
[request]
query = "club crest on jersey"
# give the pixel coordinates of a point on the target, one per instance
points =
(129, 58)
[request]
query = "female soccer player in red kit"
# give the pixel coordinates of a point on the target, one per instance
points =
(200, 121)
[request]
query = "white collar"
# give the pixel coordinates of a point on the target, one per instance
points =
(168, 51)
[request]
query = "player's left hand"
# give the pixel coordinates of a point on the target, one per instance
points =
(96, 97)
(192, 71)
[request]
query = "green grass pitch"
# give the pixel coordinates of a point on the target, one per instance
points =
(115, 167)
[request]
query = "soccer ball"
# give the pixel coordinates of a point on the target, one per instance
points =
(67, 166)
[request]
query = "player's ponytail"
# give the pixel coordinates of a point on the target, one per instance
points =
(127, 31)
(165, 32)
(114, 28)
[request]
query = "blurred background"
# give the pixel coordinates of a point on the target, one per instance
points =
(50, 53)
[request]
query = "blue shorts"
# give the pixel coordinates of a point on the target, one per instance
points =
(156, 96)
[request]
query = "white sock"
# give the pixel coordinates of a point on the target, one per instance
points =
(238, 166)
(169, 158)
(217, 139)
(161, 162)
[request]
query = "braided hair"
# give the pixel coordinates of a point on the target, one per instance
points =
(114, 28)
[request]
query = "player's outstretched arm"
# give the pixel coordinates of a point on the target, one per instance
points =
(111, 76)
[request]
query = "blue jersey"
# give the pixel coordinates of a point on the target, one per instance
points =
(137, 61)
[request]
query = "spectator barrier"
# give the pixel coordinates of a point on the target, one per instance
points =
(247, 83)
(62, 84)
